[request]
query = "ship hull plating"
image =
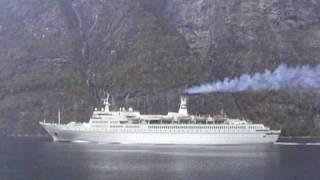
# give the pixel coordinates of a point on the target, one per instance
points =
(145, 137)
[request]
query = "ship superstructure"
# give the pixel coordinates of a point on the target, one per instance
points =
(129, 126)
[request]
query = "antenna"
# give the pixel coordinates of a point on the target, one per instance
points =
(108, 95)
(44, 117)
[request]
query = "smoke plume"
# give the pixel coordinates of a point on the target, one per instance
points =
(283, 77)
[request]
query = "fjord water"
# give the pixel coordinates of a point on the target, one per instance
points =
(41, 159)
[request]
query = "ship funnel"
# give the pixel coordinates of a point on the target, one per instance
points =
(183, 106)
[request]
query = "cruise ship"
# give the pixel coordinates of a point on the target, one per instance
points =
(127, 126)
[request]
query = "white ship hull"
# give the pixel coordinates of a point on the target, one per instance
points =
(60, 133)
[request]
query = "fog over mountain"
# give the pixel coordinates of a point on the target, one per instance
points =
(66, 53)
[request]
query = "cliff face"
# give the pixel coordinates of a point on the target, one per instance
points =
(63, 54)
(249, 35)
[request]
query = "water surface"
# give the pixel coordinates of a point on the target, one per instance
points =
(41, 159)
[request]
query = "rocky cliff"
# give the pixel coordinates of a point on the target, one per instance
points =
(65, 53)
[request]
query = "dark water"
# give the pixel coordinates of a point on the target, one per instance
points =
(40, 159)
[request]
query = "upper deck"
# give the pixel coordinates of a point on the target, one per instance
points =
(173, 121)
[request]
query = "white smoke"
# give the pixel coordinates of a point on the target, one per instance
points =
(283, 77)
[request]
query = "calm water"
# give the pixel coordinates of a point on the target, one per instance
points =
(40, 159)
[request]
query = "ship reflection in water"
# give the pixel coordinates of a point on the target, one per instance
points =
(38, 158)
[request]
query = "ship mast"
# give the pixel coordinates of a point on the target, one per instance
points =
(106, 103)
(59, 118)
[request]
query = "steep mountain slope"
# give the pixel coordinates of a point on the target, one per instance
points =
(64, 54)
